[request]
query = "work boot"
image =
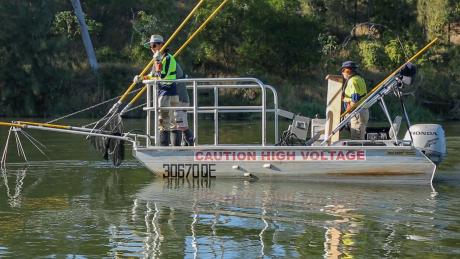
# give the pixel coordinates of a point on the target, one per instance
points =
(164, 138)
(176, 138)
(188, 137)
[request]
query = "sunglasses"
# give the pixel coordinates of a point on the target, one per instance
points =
(154, 45)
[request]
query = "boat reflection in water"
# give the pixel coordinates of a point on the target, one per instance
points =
(204, 218)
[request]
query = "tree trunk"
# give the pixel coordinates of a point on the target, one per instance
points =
(85, 35)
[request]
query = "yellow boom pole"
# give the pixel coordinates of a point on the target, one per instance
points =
(149, 65)
(203, 25)
(46, 125)
(24, 124)
(62, 129)
(420, 52)
(7, 124)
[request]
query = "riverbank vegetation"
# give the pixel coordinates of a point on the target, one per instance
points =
(291, 44)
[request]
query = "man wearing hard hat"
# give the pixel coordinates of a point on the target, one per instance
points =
(165, 67)
(354, 88)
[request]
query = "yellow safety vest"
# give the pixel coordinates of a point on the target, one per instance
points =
(168, 71)
(355, 85)
(169, 67)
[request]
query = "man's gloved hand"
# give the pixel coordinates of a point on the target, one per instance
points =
(157, 67)
(137, 79)
(157, 56)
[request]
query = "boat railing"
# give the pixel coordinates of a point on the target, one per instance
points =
(197, 84)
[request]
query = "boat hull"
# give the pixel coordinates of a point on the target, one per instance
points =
(350, 164)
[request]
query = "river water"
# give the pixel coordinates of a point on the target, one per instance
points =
(72, 204)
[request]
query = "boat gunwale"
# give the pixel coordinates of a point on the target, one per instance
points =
(258, 147)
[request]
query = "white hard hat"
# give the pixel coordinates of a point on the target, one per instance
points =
(155, 38)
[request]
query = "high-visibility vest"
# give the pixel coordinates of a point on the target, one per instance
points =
(354, 85)
(169, 67)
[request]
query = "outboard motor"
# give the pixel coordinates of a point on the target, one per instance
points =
(430, 139)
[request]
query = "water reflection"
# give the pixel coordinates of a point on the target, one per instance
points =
(85, 208)
(152, 241)
(119, 216)
(241, 218)
(340, 235)
(14, 195)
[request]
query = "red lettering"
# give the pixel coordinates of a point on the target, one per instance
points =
(218, 156)
(314, 155)
(265, 155)
(227, 155)
(331, 154)
(323, 156)
(351, 155)
(340, 155)
(290, 155)
(280, 155)
(361, 155)
(241, 155)
(251, 156)
(304, 155)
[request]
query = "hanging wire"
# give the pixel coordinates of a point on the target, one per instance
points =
(5, 150)
(91, 107)
(402, 48)
(112, 149)
(21, 152)
(133, 108)
(34, 142)
(20, 149)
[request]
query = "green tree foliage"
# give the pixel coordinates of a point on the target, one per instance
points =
(27, 56)
(66, 23)
(397, 51)
(244, 40)
(372, 54)
(398, 16)
(434, 16)
(291, 44)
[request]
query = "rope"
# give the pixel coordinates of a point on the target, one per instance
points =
(5, 151)
(90, 107)
(136, 107)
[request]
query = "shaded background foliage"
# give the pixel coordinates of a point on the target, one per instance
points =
(291, 44)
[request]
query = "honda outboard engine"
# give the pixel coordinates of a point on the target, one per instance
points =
(430, 139)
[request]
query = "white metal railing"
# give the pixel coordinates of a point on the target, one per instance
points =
(215, 84)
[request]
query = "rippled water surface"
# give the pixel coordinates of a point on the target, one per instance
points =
(72, 204)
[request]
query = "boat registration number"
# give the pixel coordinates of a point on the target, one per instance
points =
(189, 170)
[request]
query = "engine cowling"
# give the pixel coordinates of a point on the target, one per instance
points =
(430, 139)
